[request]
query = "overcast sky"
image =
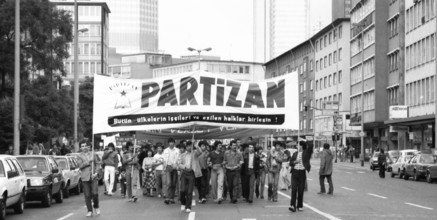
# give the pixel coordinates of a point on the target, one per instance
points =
(224, 25)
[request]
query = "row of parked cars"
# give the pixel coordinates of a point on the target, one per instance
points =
(409, 163)
(36, 178)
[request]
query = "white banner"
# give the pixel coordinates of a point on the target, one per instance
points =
(195, 98)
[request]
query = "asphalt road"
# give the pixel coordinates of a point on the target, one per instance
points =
(359, 193)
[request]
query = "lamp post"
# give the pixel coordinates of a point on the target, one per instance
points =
(198, 52)
(17, 80)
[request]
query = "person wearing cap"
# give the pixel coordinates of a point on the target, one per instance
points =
(171, 155)
(89, 165)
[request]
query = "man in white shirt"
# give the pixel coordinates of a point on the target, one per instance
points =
(160, 173)
(171, 155)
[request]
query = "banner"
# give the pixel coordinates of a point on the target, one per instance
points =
(194, 98)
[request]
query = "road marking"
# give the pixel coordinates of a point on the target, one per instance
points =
(309, 179)
(360, 172)
(348, 172)
(276, 206)
(423, 207)
(192, 216)
(65, 217)
(348, 189)
(193, 203)
(248, 219)
(382, 197)
(328, 216)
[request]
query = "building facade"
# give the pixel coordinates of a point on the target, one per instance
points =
(419, 88)
(238, 70)
(278, 25)
(133, 26)
(93, 39)
(298, 60)
(332, 80)
(138, 66)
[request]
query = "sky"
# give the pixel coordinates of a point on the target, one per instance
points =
(224, 25)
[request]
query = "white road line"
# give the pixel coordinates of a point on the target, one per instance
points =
(193, 203)
(348, 172)
(192, 216)
(65, 217)
(423, 207)
(382, 197)
(360, 172)
(276, 206)
(309, 179)
(348, 189)
(248, 219)
(328, 216)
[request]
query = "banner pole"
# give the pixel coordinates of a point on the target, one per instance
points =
(92, 163)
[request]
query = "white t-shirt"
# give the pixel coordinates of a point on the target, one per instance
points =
(159, 157)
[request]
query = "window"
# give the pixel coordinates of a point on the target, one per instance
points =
(304, 86)
(334, 78)
(339, 54)
(311, 84)
(317, 85)
(335, 35)
(325, 41)
(311, 65)
(330, 59)
(325, 62)
(330, 80)
(340, 76)
(325, 82)
(330, 38)
(317, 65)
(301, 88)
(335, 56)
(340, 31)
(317, 45)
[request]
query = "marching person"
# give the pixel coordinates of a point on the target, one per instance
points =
(160, 178)
(148, 166)
(261, 174)
(274, 161)
(132, 177)
(233, 161)
(250, 169)
(326, 164)
(89, 179)
(382, 160)
(202, 181)
(110, 159)
(171, 155)
(216, 158)
(190, 169)
(299, 163)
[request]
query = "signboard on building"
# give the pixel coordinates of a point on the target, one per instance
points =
(398, 111)
(398, 128)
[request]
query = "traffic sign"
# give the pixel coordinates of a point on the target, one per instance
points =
(362, 134)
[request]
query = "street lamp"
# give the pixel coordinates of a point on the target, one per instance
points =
(361, 26)
(198, 52)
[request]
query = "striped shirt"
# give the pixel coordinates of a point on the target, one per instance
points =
(299, 164)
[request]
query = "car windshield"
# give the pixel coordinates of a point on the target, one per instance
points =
(2, 170)
(410, 153)
(62, 163)
(394, 154)
(376, 154)
(427, 159)
(33, 163)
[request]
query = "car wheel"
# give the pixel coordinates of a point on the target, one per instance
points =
(67, 191)
(392, 175)
(400, 174)
(19, 207)
(60, 196)
(2, 209)
(406, 177)
(415, 177)
(47, 200)
(373, 168)
(78, 189)
(428, 178)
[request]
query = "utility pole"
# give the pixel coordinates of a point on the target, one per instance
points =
(76, 77)
(17, 80)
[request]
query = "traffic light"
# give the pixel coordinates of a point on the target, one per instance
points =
(306, 108)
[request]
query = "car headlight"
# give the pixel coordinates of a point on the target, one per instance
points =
(37, 182)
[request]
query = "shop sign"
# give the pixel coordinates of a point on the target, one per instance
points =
(398, 111)
(398, 128)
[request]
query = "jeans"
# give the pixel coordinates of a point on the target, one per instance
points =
(90, 191)
(187, 186)
(298, 179)
(132, 182)
(201, 184)
(217, 177)
(109, 178)
(322, 183)
(161, 184)
(232, 177)
(172, 180)
(274, 181)
(250, 184)
(123, 184)
(259, 185)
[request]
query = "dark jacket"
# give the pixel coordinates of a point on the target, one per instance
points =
(110, 158)
(245, 167)
(326, 164)
(306, 156)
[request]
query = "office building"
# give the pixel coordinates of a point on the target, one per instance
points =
(133, 26)
(93, 38)
(332, 81)
(138, 66)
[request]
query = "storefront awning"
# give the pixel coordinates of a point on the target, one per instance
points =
(411, 121)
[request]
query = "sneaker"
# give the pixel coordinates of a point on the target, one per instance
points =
(89, 214)
(159, 195)
(292, 209)
(167, 201)
(220, 201)
(172, 201)
(97, 211)
(330, 193)
(187, 210)
(262, 197)
(203, 201)
(182, 208)
(300, 209)
(134, 198)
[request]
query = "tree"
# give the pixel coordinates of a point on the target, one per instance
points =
(45, 34)
(86, 95)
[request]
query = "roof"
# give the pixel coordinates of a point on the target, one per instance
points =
(103, 4)
(214, 61)
(312, 38)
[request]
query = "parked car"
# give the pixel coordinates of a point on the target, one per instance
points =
(397, 168)
(13, 186)
(374, 161)
(419, 165)
(44, 179)
(393, 156)
(70, 174)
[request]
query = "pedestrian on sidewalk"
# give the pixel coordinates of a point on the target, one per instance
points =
(132, 172)
(190, 169)
(382, 160)
(171, 155)
(89, 178)
(216, 159)
(326, 164)
(110, 159)
(300, 164)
